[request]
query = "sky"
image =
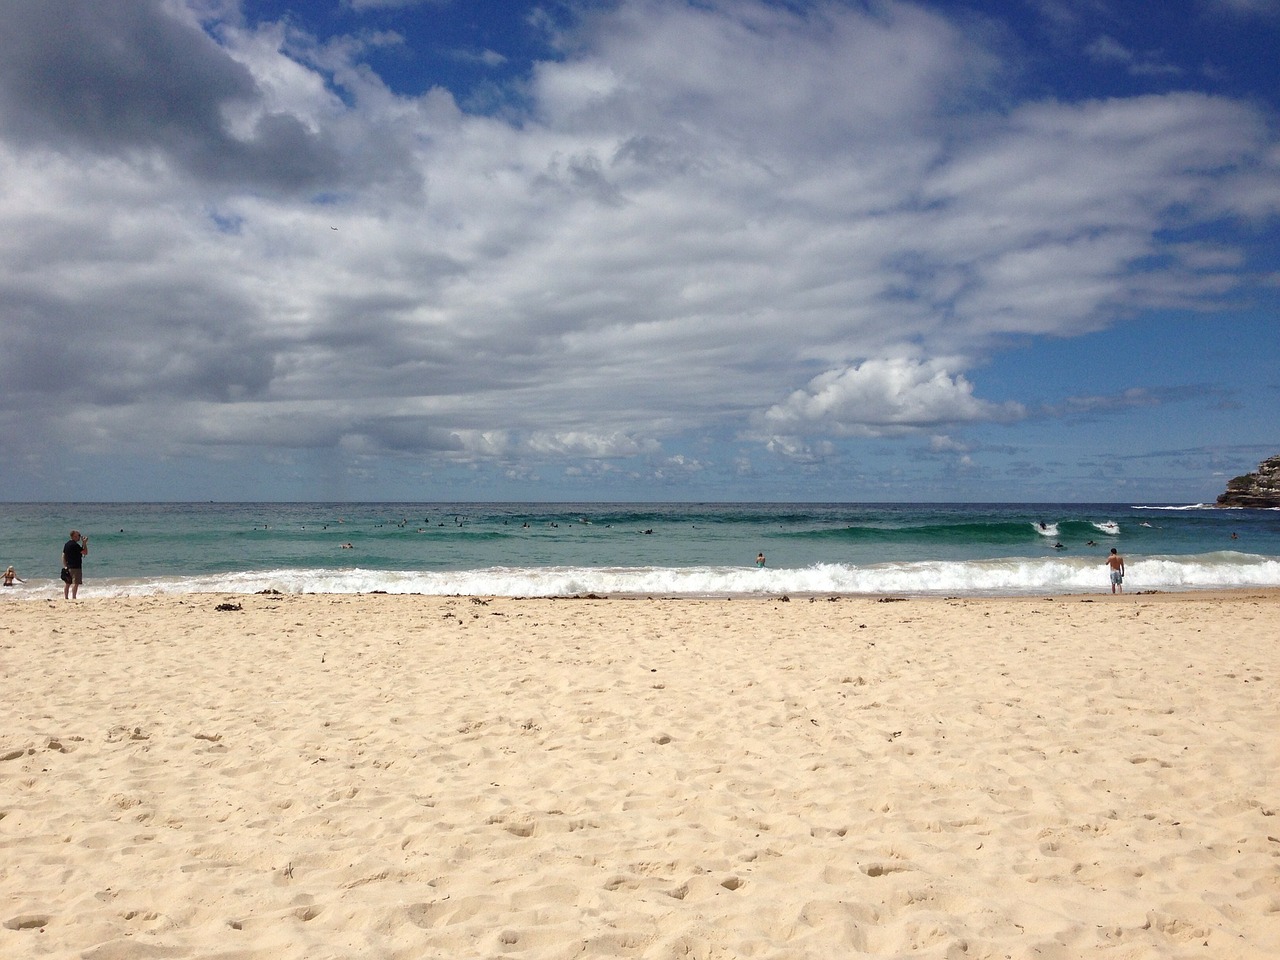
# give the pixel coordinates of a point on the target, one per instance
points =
(643, 250)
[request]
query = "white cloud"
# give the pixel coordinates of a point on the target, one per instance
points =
(798, 450)
(1147, 63)
(594, 446)
(715, 219)
(884, 397)
(940, 443)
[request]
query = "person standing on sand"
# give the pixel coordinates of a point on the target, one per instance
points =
(1116, 563)
(73, 552)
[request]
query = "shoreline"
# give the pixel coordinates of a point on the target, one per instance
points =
(1198, 593)
(393, 776)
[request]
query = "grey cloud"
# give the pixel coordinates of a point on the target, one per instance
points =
(281, 153)
(127, 78)
(121, 349)
(112, 74)
(1086, 407)
(403, 434)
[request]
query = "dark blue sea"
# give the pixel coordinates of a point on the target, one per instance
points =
(693, 549)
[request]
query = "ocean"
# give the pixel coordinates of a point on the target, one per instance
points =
(686, 549)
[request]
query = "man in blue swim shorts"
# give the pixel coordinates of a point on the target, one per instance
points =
(1116, 563)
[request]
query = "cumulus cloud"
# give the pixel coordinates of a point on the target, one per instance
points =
(880, 397)
(730, 219)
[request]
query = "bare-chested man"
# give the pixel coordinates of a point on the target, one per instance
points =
(1116, 563)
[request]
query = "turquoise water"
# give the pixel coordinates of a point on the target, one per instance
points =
(697, 549)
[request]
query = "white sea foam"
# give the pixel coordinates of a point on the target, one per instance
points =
(1183, 506)
(1013, 576)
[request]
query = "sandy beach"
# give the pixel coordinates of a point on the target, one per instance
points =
(385, 776)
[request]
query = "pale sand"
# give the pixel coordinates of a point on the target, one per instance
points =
(407, 777)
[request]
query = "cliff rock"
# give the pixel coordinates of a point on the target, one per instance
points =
(1258, 489)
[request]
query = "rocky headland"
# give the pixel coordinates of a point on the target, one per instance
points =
(1259, 489)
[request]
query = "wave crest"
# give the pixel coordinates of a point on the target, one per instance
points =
(1001, 577)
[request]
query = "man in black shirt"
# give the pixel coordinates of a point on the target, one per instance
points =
(73, 552)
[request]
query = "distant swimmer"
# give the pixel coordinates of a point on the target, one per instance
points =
(759, 559)
(1090, 544)
(1059, 546)
(1116, 564)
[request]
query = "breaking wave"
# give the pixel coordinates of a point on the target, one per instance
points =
(1001, 577)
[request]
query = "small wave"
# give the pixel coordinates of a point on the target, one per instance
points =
(1108, 527)
(993, 532)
